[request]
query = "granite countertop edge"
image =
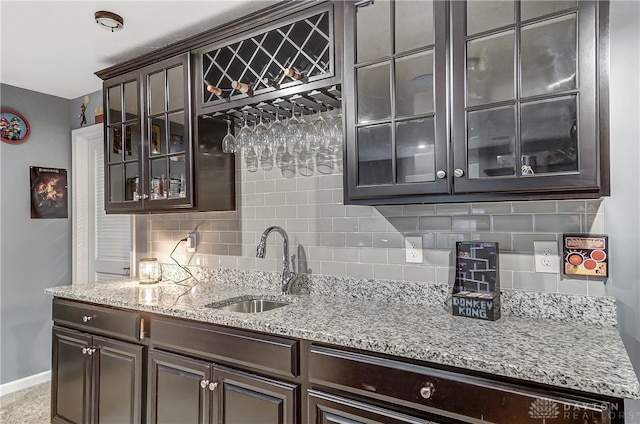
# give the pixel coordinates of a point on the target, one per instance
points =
(512, 347)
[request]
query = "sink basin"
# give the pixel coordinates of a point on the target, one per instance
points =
(251, 306)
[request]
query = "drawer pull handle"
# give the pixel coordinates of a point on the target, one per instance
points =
(427, 391)
(204, 383)
(213, 386)
(87, 318)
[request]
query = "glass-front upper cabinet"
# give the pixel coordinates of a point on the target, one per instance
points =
(148, 138)
(123, 143)
(524, 95)
(168, 131)
(395, 80)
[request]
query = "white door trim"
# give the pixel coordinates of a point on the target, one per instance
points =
(80, 202)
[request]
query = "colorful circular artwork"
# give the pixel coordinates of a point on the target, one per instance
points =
(14, 128)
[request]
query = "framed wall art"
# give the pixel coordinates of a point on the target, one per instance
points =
(14, 128)
(49, 197)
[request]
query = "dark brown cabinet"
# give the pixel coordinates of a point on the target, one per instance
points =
(463, 101)
(421, 393)
(154, 158)
(329, 409)
(187, 390)
(95, 379)
(98, 364)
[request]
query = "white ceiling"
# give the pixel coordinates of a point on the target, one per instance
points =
(55, 47)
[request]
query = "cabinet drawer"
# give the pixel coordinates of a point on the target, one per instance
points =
(98, 319)
(449, 394)
(263, 352)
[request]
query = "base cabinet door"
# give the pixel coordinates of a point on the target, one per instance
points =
(329, 409)
(249, 399)
(71, 374)
(118, 384)
(95, 379)
(178, 389)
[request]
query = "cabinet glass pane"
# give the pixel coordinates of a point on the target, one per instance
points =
(374, 92)
(132, 142)
(156, 93)
(158, 186)
(549, 134)
(131, 181)
(131, 101)
(549, 56)
(116, 183)
(414, 24)
(176, 133)
(177, 183)
(374, 155)
(115, 143)
(414, 84)
(415, 148)
(491, 136)
(175, 81)
(485, 15)
(158, 143)
(534, 8)
(114, 104)
(490, 63)
(373, 30)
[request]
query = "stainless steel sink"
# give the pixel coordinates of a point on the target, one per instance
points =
(251, 306)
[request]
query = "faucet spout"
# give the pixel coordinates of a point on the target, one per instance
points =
(289, 274)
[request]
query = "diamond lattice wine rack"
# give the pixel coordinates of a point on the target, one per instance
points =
(292, 57)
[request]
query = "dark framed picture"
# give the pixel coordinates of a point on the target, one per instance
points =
(117, 140)
(49, 197)
(155, 138)
(14, 128)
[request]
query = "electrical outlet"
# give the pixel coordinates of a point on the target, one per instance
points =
(192, 242)
(413, 249)
(546, 257)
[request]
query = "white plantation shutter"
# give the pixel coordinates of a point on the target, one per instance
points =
(113, 240)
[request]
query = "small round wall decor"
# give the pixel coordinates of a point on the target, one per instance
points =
(14, 128)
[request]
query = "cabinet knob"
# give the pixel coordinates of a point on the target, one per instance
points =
(87, 318)
(204, 383)
(91, 351)
(213, 386)
(458, 172)
(441, 174)
(427, 391)
(84, 350)
(144, 196)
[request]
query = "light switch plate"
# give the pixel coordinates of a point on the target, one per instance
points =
(413, 249)
(546, 257)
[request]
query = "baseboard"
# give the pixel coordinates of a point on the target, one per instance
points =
(24, 383)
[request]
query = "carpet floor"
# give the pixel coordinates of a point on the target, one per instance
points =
(28, 406)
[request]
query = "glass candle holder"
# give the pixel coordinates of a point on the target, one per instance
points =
(148, 271)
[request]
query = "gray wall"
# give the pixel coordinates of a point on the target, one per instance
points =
(35, 253)
(95, 100)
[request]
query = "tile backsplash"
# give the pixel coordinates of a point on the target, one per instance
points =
(329, 238)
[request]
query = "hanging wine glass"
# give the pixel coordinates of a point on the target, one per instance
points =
(321, 132)
(260, 134)
(276, 131)
(229, 141)
(294, 130)
(251, 159)
(243, 139)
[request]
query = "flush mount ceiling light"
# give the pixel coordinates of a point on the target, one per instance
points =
(109, 20)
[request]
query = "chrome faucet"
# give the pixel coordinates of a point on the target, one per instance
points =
(288, 272)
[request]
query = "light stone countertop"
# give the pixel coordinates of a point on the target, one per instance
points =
(570, 355)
